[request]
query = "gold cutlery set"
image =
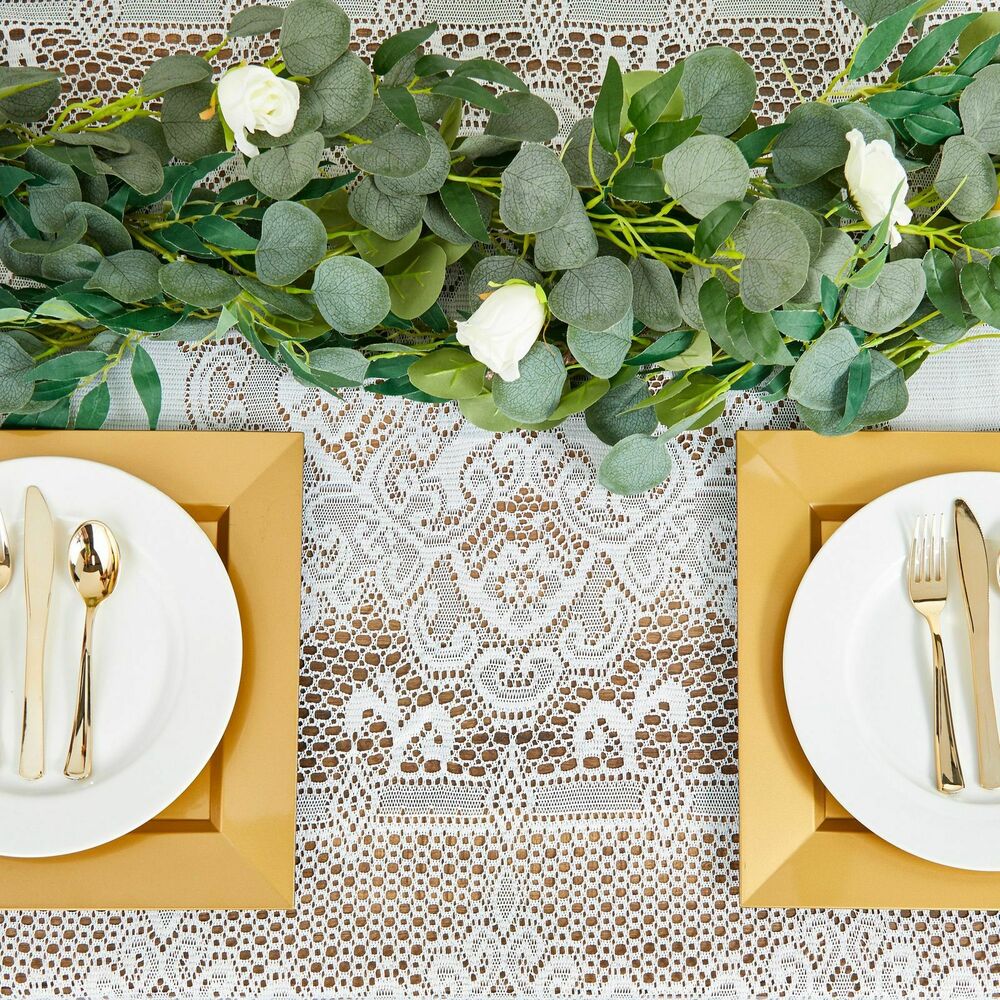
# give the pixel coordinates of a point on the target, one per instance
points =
(928, 586)
(94, 563)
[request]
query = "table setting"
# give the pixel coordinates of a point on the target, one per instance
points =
(499, 501)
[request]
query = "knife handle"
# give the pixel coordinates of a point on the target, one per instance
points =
(948, 768)
(32, 762)
(986, 715)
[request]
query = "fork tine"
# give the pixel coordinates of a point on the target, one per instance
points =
(913, 567)
(942, 563)
(928, 548)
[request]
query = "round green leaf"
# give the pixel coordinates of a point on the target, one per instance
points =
(313, 34)
(571, 242)
(601, 353)
(177, 70)
(292, 240)
(345, 93)
(612, 418)
(654, 296)
(595, 296)
(391, 216)
(284, 171)
(498, 270)
(398, 153)
(428, 178)
(352, 296)
(535, 192)
(197, 284)
(526, 117)
(890, 300)
(775, 261)
(979, 107)
(32, 92)
(636, 464)
(129, 276)
(187, 135)
(964, 162)
(16, 376)
(705, 171)
(718, 85)
(813, 144)
(448, 373)
(534, 395)
(415, 280)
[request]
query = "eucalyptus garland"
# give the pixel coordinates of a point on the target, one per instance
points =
(670, 250)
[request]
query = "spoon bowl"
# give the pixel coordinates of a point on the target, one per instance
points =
(6, 569)
(94, 561)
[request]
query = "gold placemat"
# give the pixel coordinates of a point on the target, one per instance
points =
(229, 839)
(799, 847)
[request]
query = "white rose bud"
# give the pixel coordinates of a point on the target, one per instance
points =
(253, 99)
(873, 176)
(501, 331)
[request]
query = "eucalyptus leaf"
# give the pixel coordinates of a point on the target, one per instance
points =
(27, 93)
(525, 117)
(48, 202)
(314, 33)
(812, 144)
(398, 153)
(571, 242)
(177, 70)
(140, 167)
(601, 353)
(614, 417)
(636, 464)
(351, 294)
(704, 172)
(198, 284)
(415, 279)
(17, 381)
(129, 276)
(580, 146)
(719, 86)
(345, 93)
(942, 286)
(494, 271)
(448, 373)
(595, 296)
(428, 178)
(102, 227)
(979, 107)
(966, 176)
(536, 190)
(390, 216)
(282, 172)
(534, 395)
(775, 261)
(260, 19)
(292, 240)
(189, 136)
(889, 301)
(654, 294)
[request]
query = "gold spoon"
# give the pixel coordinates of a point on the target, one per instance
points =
(5, 564)
(94, 561)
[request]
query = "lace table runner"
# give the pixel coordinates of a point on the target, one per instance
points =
(518, 730)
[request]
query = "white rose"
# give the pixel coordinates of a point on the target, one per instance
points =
(873, 176)
(501, 331)
(253, 99)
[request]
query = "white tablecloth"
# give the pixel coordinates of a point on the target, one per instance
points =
(518, 701)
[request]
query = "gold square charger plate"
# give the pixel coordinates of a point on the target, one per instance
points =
(798, 845)
(228, 842)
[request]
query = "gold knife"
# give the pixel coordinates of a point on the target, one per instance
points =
(39, 561)
(975, 575)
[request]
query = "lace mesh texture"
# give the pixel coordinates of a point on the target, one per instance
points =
(517, 773)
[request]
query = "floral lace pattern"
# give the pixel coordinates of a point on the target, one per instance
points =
(518, 729)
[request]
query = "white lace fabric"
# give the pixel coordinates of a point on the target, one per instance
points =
(518, 730)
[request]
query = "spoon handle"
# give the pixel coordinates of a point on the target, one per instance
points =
(78, 762)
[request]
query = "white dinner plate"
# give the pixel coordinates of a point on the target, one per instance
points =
(858, 676)
(166, 667)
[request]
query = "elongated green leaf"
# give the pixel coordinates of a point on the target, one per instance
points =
(756, 143)
(224, 233)
(981, 293)
(716, 227)
(608, 108)
(401, 103)
(661, 137)
(942, 286)
(462, 206)
(859, 379)
(94, 408)
(933, 47)
(881, 40)
(648, 104)
(147, 384)
(468, 90)
(399, 45)
(72, 365)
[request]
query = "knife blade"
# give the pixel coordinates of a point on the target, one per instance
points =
(974, 571)
(39, 562)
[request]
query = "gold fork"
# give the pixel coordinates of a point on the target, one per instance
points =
(928, 579)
